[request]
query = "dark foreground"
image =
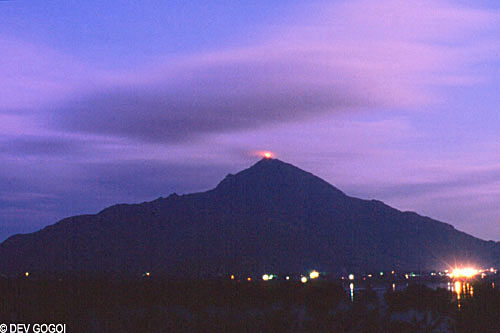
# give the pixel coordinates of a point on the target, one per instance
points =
(156, 305)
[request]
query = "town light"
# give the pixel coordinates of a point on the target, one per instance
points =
(314, 274)
(467, 272)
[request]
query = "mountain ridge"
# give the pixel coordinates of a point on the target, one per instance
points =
(271, 216)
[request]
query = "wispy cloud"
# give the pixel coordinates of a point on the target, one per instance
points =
(362, 54)
(352, 55)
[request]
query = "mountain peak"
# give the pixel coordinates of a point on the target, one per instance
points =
(262, 168)
(276, 175)
(268, 159)
(271, 163)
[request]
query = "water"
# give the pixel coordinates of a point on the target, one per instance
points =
(462, 289)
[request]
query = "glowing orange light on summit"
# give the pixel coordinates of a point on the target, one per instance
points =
(267, 154)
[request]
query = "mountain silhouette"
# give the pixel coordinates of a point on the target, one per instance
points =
(271, 217)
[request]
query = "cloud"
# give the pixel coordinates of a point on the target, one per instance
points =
(351, 55)
(457, 183)
(35, 77)
(211, 97)
(41, 146)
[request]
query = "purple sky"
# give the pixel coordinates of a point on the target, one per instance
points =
(103, 102)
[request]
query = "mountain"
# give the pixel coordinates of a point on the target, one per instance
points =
(271, 217)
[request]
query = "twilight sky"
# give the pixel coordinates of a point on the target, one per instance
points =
(104, 102)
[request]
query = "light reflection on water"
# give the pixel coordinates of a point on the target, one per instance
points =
(462, 289)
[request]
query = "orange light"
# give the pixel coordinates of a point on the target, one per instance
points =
(267, 154)
(314, 274)
(467, 272)
(458, 288)
(232, 277)
(249, 279)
